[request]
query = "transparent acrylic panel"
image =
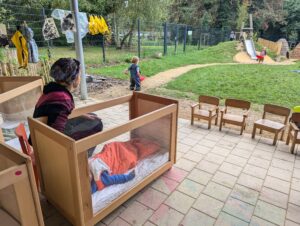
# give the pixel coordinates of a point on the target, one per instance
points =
(16, 110)
(122, 162)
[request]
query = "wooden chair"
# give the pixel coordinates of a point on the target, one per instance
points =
(293, 133)
(272, 126)
(234, 119)
(207, 114)
(26, 148)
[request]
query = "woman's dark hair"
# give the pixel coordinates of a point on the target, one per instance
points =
(65, 70)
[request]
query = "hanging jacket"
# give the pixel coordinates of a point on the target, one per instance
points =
(92, 26)
(22, 52)
(97, 25)
(60, 14)
(33, 52)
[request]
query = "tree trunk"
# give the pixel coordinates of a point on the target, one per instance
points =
(116, 31)
(128, 34)
(130, 40)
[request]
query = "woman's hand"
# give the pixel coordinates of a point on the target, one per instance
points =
(90, 116)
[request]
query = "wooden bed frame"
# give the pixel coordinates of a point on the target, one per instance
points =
(63, 165)
(12, 87)
(19, 200)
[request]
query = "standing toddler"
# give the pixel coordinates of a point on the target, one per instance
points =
(134, 69)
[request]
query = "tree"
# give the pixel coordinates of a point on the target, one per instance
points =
(242, 15)
(292, 12)
(126, 16)
(227, 14)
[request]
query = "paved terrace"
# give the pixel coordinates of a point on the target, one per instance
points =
(220, 178)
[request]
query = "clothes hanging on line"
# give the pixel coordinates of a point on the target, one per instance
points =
(3, 36)
(50, 30)
(22, 52)
(62, 15)
(98, 25)
(3, 30)
(68, 23)
(33, 51)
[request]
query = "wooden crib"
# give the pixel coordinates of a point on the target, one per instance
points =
(62, 161)
(17, 96)
(19, 201)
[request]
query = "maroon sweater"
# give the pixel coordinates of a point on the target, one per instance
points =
(56, 103)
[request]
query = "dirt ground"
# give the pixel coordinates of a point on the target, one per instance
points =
(242, 57)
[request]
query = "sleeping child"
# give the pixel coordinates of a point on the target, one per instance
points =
(111, 165)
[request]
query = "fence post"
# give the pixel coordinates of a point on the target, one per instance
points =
(139, 38)
(184, 41)
(48, 42)
(165, 39)
(176, 38)
(199, 41)
(103, 48)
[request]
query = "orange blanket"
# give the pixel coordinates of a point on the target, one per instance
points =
(119, 157)
(123, 156)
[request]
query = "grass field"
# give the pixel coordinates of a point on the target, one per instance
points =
(92, 55)
(222, 53)
(259, 84)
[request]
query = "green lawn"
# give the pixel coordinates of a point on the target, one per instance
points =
(222, 53)
(259, 84)
(92, 55)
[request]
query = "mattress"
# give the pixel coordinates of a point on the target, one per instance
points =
(15, 143)
(145, 167)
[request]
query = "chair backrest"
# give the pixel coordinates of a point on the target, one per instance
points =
(209, 100)
(235, 103)
(21, 134)
(277, 110)
(295, 117)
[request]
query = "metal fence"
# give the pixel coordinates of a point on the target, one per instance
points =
(145, 39)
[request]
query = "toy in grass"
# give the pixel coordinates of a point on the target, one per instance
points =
(296, 71)
(296, 109)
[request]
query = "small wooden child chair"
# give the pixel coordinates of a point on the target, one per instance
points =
(270, 125)
(207, 114)
(235, 119)
(293, 134)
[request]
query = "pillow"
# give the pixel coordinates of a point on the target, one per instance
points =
(144, 147)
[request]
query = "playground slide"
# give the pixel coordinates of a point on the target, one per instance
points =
(250, 48)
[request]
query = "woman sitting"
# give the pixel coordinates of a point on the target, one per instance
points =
(57, 103)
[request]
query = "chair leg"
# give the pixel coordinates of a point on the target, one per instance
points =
(242, 129)
(275, 138)
(253, 132)
(209, 123)
(293, 147)
(260, 131)
(282, 134)
(216, 121)
(288, 140)
(221, 124)
(288, 136)
(192, 120)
